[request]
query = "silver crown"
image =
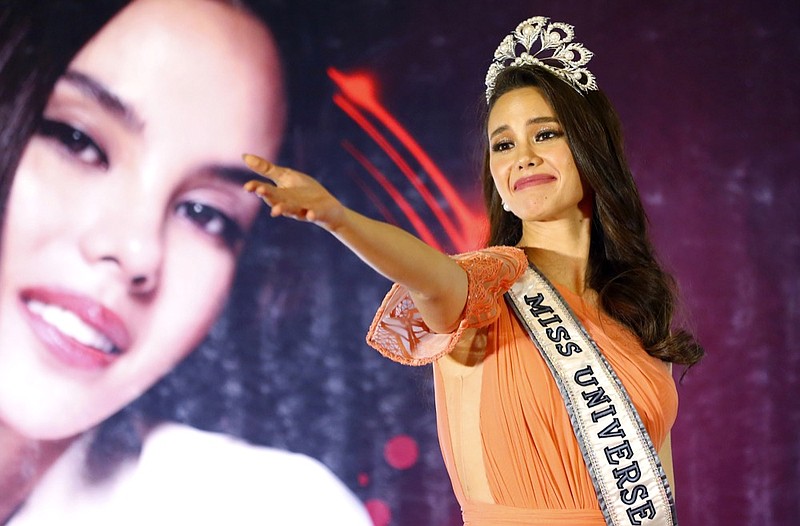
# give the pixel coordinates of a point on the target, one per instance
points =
(566, 60)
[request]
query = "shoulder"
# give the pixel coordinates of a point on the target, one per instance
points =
(492, 269)
(187, 476)
(490, 273)
(244, 481)
(179, 452)
(399, 332)
(513, 257)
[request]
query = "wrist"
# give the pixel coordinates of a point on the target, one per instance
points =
(340, 220)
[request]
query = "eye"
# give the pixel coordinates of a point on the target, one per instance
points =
(547, 134)
(212, 221)
(78, 144)
(502, 146)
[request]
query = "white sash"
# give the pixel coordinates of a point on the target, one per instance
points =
(630, 483)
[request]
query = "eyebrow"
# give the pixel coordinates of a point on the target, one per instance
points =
(535, 120)
(103, 96)
(95, 90)
(231, 174)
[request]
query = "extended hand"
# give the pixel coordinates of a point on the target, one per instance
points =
(294, 194)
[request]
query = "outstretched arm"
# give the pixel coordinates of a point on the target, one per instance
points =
(436, 283)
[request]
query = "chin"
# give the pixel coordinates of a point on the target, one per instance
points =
(42, 429)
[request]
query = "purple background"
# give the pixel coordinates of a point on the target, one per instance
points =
(707, 96)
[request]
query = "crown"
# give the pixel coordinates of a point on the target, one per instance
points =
(556, 53)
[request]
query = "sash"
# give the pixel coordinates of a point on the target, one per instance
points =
(630, 483)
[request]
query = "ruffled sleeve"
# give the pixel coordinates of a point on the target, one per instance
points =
(398, 331)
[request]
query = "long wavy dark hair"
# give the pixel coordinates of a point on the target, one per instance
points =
(38, 38)
(633, 287)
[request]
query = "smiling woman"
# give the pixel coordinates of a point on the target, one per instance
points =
(121, 236)
(527, 152)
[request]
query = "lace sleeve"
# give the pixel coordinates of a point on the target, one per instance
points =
(399, 332)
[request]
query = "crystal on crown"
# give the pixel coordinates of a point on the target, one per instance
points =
(556, 53)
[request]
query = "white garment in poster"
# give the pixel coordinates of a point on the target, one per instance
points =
(186, 476)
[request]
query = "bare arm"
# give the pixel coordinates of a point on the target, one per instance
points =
(436, 283)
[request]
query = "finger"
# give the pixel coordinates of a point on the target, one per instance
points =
(277, 202)
(276, 210)
(287, 210)
(252, 186)
(261, 166)
(264, 191)
(276, 206)
(260, 188)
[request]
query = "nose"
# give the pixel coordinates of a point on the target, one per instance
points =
(527, 157)
(126, 241)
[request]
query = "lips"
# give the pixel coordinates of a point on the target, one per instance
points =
(77, 330)
(532, 180)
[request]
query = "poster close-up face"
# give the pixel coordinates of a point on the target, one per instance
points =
(178, 345)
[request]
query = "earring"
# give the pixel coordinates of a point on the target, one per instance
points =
(506, 207)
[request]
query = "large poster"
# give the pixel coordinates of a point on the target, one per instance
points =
(149, 308)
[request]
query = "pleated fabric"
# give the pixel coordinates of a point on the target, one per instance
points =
(505, 433)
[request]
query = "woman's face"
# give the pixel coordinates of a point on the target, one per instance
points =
(126, 215)
(530, 159)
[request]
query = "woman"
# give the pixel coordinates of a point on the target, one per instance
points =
(563, 210)
(122, 231)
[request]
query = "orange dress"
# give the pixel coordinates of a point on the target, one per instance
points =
(504, 431)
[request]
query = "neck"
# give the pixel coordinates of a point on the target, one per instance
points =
(560, 249)
(23, 461)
